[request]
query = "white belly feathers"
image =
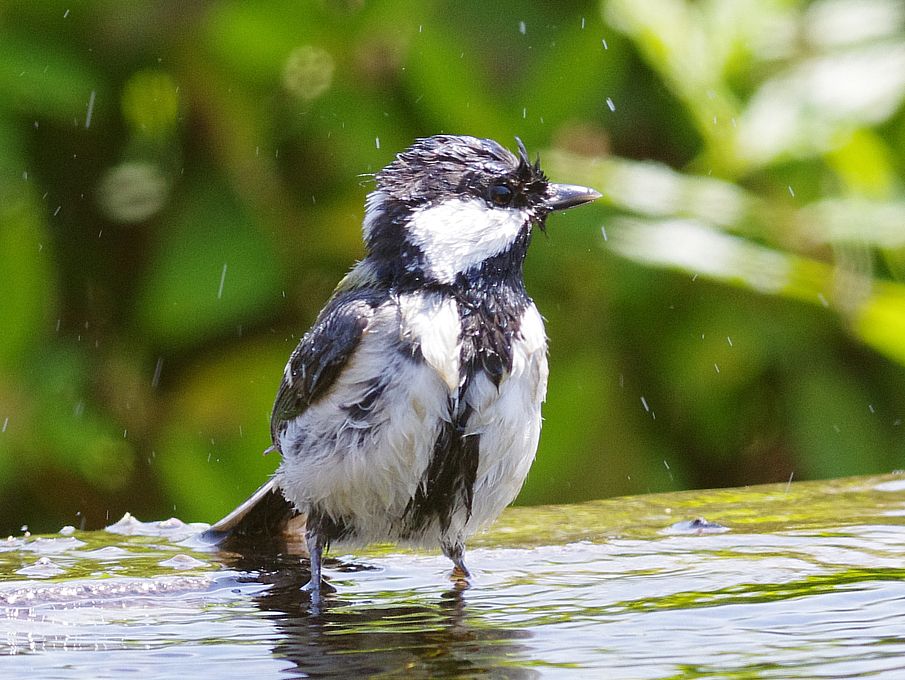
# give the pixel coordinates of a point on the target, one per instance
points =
(365, 469)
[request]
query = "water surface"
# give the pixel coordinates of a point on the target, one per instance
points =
(789, 581)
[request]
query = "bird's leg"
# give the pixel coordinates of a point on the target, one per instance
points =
(315, 554)
(456, 553)
(315, 542)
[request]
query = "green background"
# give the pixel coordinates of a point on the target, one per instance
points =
(182, 185)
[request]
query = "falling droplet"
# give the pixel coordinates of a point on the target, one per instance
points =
(155, 381)
(644, 404)
(610, 104)
(222, 280)
(90, 112)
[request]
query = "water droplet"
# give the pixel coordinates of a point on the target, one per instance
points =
(644, 404)
(603, 231)
(605, 46)
(522, 28)
(377, 141)
(222, 279)
(610, 104)
(155, 381)
(90, 112)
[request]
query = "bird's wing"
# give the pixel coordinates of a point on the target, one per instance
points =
(312, 368)
(321, 355)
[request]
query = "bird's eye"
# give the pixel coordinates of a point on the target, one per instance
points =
(500, 195)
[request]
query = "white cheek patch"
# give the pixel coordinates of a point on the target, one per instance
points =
(458, 234)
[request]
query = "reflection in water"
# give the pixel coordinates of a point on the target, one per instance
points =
(807, 582)
(340, 638)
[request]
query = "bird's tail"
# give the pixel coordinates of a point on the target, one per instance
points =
(265, 519)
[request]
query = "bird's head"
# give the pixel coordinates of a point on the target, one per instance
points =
(450, 206)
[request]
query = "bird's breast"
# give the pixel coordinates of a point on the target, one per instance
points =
(429, 324)
(430, 429)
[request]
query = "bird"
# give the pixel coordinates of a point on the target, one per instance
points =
(410, 412)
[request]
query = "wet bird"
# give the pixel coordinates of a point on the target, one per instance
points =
(411, 411)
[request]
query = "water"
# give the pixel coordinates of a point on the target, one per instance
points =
(787, 581)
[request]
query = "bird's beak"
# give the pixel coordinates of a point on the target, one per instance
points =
(562, 196)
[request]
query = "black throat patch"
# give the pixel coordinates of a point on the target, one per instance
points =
(490, 310)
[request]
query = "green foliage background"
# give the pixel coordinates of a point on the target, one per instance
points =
(182, 185)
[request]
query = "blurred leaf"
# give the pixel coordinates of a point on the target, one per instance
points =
(806, 110)
(863, 162)
(80, 438)
(853, 221)
(881, 321)
(689, 45)
(41, 78)
(215, 428)
(836, 430)
(586, 405)
(150, 103)
(26, 252)
(253, 41)
(213, 272)
(656, 190)
(463, 104)
(26, 286)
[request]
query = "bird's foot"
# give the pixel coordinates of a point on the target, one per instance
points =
(321, 588)
(460, 573)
